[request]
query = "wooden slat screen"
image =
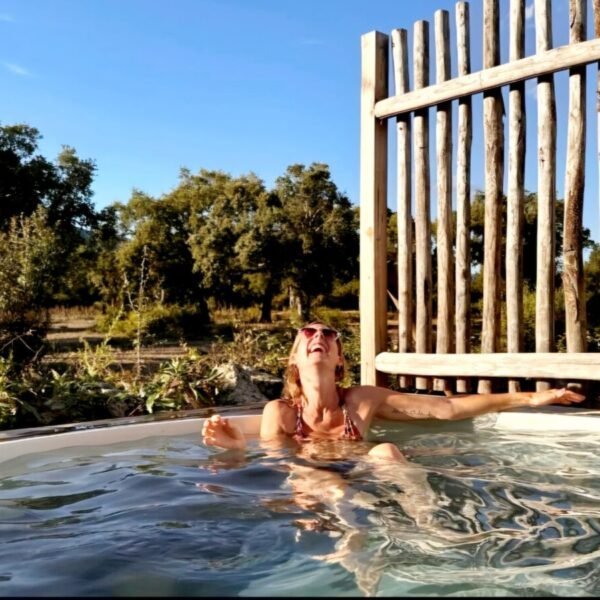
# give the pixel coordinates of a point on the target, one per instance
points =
(452, 318)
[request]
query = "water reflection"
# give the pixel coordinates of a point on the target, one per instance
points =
(432, 522)
(472, 514)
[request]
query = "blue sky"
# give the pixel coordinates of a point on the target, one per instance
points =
(146, 87)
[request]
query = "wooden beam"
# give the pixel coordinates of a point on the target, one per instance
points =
(517, 133)
(463, 195)
(545, 365)
(538, 65)
(596, 7)
(445, 272)
(423, 288)
(404, 204)
(573, 275)
(494, 174)
(373, 206)
(546, 188)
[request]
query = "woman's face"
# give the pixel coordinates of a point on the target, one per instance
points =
(317, 344)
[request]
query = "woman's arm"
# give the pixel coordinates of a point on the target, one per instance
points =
(218, 431)
(400, 407)
(271, 422)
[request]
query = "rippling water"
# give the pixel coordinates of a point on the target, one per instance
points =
(475, 513)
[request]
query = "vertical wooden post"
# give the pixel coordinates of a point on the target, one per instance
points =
(544, 299)
(373, 206)
(516, 175)
(494, 174)
(404, 211)
(422, 208)
(445, 274)
(463, 196)
(597, 34)
(573, 277)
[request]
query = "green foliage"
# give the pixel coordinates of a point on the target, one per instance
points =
(30, 182)
(320, 232)
(236, 316)
(95, 385)
(175, 322)
(158, 322)
(69, 397)
(593, 339)
(254, 347)
(25, 177)
(528, 319)
(223, 209)
(592, 288)
(332, 316)
(262, 252)
(235, 244)
(91, 387)
(27, 255)
(159, 231)
(344, 294)
(182, 382)
(529, 233)
(351, 345)
(11, 390)
(28, 252)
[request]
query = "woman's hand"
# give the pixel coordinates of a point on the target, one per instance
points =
(554, 396)
(217, 431)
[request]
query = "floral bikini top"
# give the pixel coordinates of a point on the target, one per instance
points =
(351, 431)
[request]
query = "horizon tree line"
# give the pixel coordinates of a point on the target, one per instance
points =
(214, 241)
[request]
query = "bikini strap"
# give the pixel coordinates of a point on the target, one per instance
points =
(299, 429)
(351, 431)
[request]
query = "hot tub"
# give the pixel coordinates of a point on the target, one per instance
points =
(504, 504)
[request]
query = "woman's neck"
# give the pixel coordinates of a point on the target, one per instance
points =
(320, 393)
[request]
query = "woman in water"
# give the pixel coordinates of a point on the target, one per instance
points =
(315, 407)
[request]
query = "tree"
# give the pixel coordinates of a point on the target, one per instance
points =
(222, 210)
(69, 200)
(318, 232)
(29, 181)
(102, 273)
(28, 252)
(25, 177)
(261, 252)
(159, 228)
(592, 286)
(529, 233)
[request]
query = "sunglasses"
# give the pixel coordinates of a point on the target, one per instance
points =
(328, 334)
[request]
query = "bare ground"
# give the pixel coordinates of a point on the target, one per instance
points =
(67, 335)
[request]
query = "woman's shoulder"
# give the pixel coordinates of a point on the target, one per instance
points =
(281, 414)
(280, 405)
(282, 410)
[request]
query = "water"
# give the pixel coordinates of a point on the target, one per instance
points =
(475, 513)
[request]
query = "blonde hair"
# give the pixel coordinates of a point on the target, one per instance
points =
(292, 386)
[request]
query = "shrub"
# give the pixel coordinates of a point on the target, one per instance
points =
(257, 348)
(182, 382)
(28, 250)
(158, 322)
(235, 316)
(332, 316)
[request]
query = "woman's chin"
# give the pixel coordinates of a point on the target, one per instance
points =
(318, 359)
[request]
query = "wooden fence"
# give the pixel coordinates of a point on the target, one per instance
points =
(416, 361)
